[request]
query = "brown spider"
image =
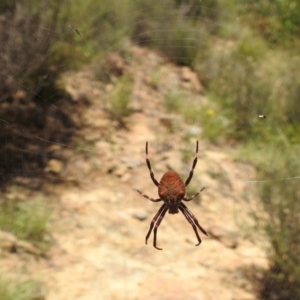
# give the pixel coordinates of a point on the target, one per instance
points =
(171, 190)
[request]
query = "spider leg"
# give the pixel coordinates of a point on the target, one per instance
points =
(146, 196)
(193, 218)
(192, 197)
(193, 166)
(161, 211)
(188, 217)
(156, 227)
(149, 167)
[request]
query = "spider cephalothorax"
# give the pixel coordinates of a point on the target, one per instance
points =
(171, 190)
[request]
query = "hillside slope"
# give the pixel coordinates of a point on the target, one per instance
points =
(100, 221)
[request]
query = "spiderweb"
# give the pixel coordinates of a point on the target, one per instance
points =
(67, 110)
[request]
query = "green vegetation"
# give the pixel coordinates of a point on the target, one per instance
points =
(246, 79)
(279, 218)
(26, 220)
(174, 101)
(252, 67)
(118, 104)
(245, 52)
(155, 79)
(235, 62)
(274, 19)
(25, 290)
(165, 25)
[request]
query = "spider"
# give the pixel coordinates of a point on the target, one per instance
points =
(171, 190)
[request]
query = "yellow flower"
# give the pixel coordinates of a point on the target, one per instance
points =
(210, 112)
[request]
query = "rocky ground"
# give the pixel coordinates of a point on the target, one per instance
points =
(100, 221)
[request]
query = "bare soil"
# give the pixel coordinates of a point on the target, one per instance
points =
(99, 221)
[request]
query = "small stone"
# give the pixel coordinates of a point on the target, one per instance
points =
(92, 136)
(7, 240)
(194, 130)
(55, 148)
(120, 170)
(140, 215)
(167, 121)
(115, 64)
(190, 80)
(186, 74)
(54, 166)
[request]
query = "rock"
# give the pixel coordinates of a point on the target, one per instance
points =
(120, 169)
(190, 80)
(194, 130)
(227, 238)
(170, 121)
(115, 63)
(7, 241)
(186, 74)
(28, 247)
(19, 94)
(54, 166)
(140, 215)
(55, 148)
(92, 136)
(167, 121)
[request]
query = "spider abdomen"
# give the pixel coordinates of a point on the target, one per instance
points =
(171, 188)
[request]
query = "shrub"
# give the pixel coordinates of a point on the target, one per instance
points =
(280, 220)
(276, 20)
(215, 124)
(171, 29)
(173, 101)
(24, 290)
(26, 31)
(40, 40)
(181, 43)
(245, 80)
(118, 104)
(27, 220)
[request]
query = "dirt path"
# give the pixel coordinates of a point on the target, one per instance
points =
(100, 225)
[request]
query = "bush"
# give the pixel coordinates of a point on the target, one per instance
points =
(118, 104)
(38, 43)
(245, 80)
(174, 101)
(171, 29)
(276, 20)
(280, 220)
(27, 32)
(24, 290)
(28, 220)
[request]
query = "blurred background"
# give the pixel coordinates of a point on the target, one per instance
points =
(84, 85)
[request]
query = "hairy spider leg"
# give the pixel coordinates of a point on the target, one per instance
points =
(193, 167)
(149, 167)
(162, 211)
(192, 197)
(193, 218)
(188, 217)
(149, 198)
